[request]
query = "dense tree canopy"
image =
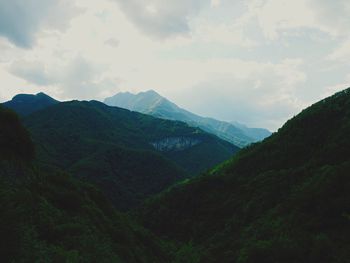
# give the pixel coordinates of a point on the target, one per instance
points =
(286, 199)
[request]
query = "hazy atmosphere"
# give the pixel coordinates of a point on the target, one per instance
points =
(258, 62)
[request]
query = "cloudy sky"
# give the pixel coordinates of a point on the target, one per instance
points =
(254, 61)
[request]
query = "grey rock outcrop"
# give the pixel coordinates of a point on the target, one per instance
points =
(175, 144)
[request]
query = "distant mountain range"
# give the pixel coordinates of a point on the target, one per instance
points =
(150, 102)
(129, 154)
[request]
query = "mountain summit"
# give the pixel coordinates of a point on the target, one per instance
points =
(150, 102)
(25, 104)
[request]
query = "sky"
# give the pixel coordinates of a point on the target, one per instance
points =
(259, 62)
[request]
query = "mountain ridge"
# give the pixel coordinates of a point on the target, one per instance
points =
(120, 150)
(150, 102)
(25, 104)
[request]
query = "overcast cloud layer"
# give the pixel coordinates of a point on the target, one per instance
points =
(254, 61)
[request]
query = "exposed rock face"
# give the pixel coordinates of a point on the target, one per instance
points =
(175, 144)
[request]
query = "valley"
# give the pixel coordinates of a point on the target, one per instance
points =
(187, 198)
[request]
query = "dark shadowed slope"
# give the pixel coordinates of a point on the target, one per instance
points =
(15, 142)
(152, 103)
(131, 155)
(25, 104)
(47, 216)
(286, 199)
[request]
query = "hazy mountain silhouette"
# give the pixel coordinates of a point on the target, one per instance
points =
(150, 102)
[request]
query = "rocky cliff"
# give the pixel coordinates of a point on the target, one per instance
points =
(175, 144)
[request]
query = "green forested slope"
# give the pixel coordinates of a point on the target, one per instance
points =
(286, 199)
(47, 216)
(113, 147)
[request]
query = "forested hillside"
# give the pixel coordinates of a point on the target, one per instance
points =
(47, 216)
(129, 155)
(286, 199)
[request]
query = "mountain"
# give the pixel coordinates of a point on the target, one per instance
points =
(129, 154)
(25, 104)
(48, 216)
(285, 199)
(258, 134)
(150, 102)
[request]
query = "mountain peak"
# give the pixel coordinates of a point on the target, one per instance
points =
(144, 101)
(150, 102)
(26, 96)
(150, 92)
(25, 104)
(42, 94)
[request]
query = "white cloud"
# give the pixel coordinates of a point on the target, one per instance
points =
(223, 33)
(77, 78)
(332, 16)
(159, 18)
(330, 90)
(11, 85)
(113, 42)
(342, 52)
(35, 73)
(215, 3)
(269, 91)
(278, 16)
(20, 21)
(256, 61)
